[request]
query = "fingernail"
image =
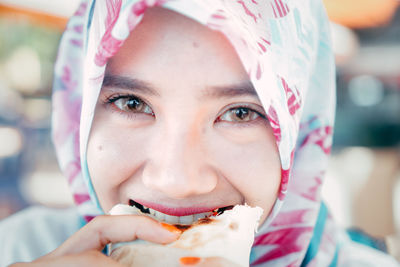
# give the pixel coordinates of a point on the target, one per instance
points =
(189, 260)
(171, 228)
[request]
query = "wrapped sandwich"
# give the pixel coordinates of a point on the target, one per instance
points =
(229, 235)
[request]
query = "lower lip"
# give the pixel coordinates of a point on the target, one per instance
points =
(174, 211)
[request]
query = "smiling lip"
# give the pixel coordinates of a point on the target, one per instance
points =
(181, 211)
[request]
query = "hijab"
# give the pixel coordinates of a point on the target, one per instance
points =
(285, 47)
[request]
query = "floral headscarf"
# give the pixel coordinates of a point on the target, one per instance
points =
(284, 46)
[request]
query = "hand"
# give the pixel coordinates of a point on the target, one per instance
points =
(87, 258)
(85, 246)
(206, 262)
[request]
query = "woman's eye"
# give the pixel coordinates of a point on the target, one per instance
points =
(241, 114)
(131, 104)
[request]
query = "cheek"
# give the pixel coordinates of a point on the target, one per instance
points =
(112, 160)
(251, 166)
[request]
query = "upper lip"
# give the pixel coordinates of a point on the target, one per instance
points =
(177, 211)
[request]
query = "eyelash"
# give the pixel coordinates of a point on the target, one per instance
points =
(256, 115)
(113, 99)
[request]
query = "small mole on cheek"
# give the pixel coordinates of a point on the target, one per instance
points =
(195, 44)
(100, 147)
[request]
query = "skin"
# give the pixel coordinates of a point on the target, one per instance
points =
(181, 146)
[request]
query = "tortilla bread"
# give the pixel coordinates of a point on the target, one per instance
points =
(229, 235)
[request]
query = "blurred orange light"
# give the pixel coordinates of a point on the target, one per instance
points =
(40, 18)
(361, 13)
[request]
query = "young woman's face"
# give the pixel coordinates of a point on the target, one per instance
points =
(178, 126)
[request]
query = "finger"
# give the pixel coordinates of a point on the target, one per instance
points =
(107, 229)
(88, 258)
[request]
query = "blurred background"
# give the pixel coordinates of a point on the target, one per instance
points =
(363, 180)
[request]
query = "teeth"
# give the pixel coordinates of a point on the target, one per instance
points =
(201, 215)
(171, 219)
(186, 219)
(159, 216)
(152, 212)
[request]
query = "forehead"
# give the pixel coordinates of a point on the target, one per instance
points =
(169, 49)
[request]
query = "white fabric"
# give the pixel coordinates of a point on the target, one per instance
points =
(34, 232)
(364, 256)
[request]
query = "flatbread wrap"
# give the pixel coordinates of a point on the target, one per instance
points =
(229, 235)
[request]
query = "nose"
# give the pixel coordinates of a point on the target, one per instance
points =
(177, 163)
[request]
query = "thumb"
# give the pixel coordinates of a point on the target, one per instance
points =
(106, 229)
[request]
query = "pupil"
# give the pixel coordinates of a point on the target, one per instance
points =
(133, 103)
(242, 113)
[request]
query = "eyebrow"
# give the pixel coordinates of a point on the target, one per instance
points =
(123, 82)
(245, 88)
(232, 90)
